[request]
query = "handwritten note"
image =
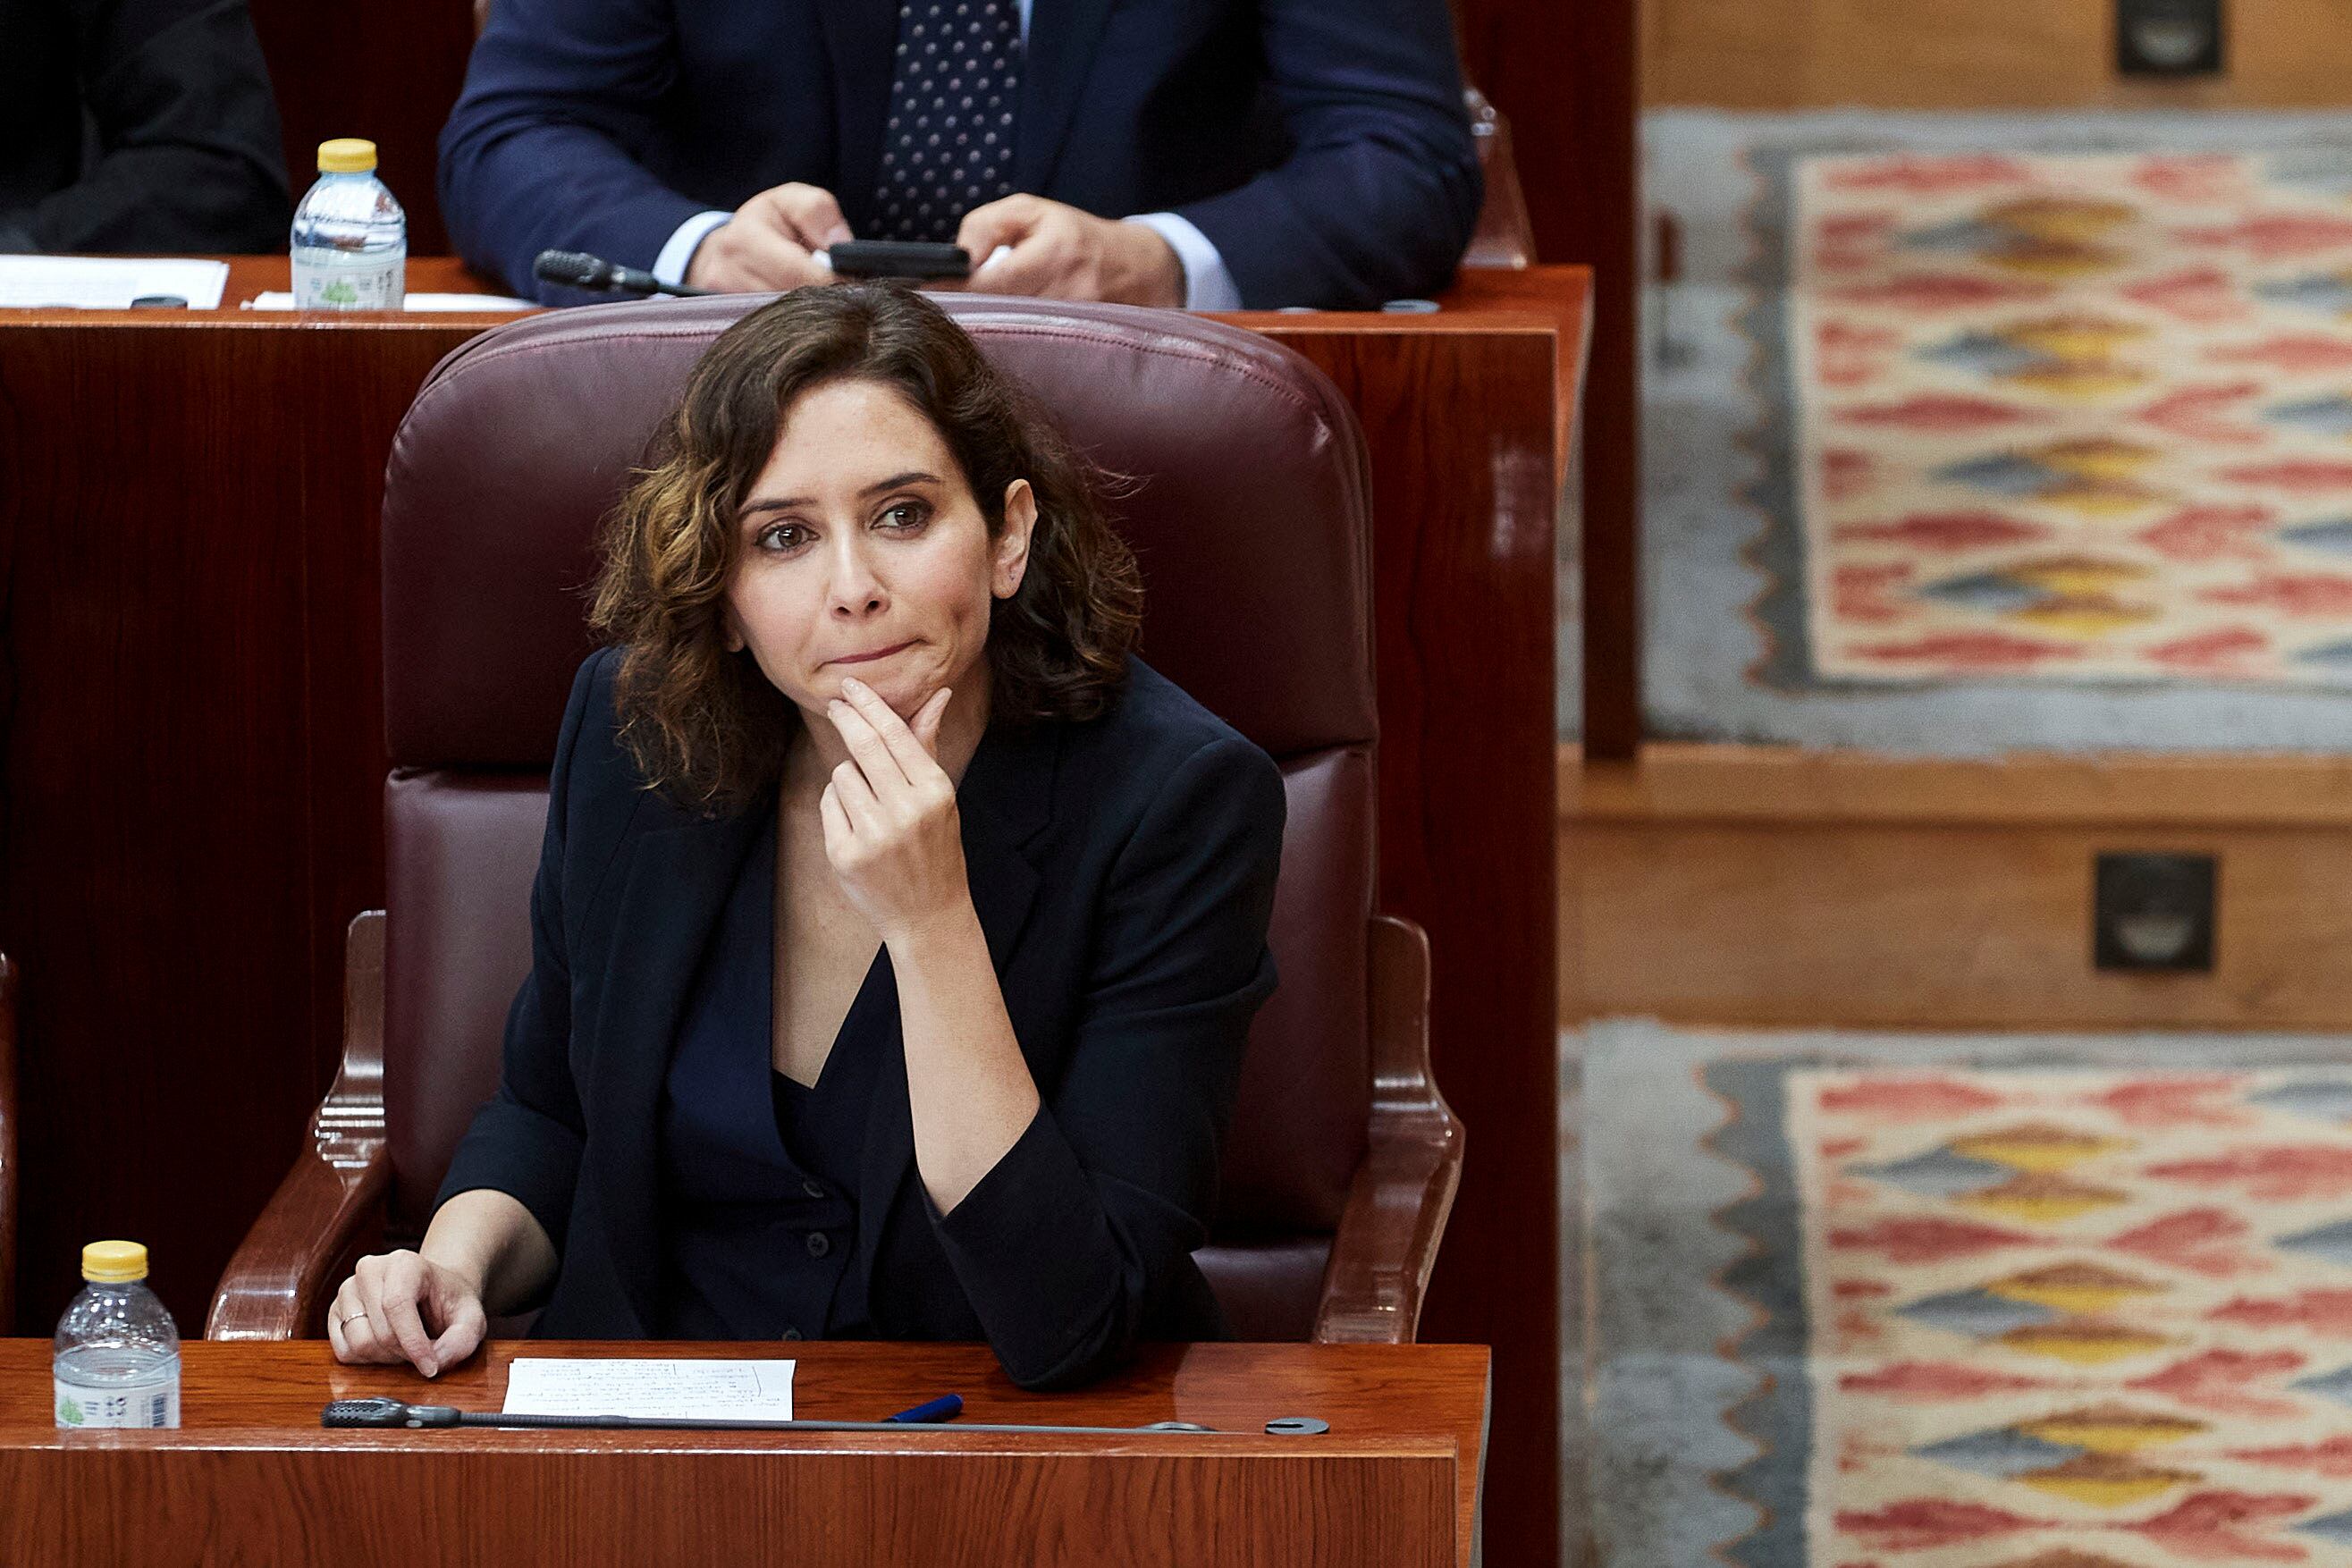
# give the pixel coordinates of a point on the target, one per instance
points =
(692, 1390)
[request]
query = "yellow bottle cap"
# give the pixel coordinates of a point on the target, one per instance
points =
(112, 1262)
(346, 155)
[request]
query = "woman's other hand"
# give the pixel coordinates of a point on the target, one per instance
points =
(403, 1306)
(891, 830)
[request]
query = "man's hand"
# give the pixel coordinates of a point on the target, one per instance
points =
(770, 242)
(1060, 253)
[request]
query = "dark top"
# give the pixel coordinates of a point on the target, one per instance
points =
(1322, 147)
(1123, 872)
(762, 1187)
(136, 125)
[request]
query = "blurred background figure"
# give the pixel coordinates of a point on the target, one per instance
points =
(136, 125)
(1269, 152)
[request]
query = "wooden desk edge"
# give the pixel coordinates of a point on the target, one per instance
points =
(1272, 323)
(1550, 298)
(942, 1438)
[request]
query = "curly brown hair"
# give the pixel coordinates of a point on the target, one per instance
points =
(704, 725)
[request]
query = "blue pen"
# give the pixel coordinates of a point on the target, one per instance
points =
(945, 1408)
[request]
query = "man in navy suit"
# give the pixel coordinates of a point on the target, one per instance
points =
(1219, 154)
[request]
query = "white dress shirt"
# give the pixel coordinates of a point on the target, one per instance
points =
(1207, 285)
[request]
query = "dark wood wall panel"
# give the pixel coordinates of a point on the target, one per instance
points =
(190, 764)
(1566, 77)
(1463, 575)
(388, 72)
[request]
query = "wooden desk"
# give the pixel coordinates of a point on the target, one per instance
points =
(191, 761)
(251, 1477)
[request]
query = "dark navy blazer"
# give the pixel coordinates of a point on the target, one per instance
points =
(1123, 870)
(1321, 145)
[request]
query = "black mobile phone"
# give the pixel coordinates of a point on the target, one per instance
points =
(899, 258)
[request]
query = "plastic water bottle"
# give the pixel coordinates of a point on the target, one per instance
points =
(351, 238)
(118, 1355)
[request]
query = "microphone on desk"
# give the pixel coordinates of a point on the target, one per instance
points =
(578, 270)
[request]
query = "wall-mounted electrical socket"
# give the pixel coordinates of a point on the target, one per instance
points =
(2169, 37)
(2153, 912)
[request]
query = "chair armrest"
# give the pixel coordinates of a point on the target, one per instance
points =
(11, 1181)
(1403, 1192)
(331, 1200)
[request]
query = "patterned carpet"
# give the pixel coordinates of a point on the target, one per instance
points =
(1965, 434)
(1968, 1302)
(2069, 415)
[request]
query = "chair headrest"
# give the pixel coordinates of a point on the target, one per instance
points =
(1251, 516)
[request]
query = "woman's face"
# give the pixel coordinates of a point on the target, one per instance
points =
(864, 553)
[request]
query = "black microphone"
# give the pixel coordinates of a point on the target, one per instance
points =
(578, 270)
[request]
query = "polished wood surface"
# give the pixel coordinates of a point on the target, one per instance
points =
(1506, 236)
(328, 1212)
(1748, 886)
(1566, 77)
(1459, 423)
(1559, 299)
(193, 758)
(1378, 1276)
(251, 1476)
(1786, 785)
(1951, 54)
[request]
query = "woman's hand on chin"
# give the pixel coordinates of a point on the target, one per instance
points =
(891, 829)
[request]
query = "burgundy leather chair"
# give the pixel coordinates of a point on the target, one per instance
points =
(1251, 522)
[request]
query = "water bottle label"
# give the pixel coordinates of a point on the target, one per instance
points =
(154, 1402)
(350, 285)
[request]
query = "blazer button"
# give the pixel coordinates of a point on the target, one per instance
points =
(792, 1333)
(814, 1189)
(819, 1244)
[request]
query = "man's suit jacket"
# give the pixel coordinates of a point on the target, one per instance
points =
(130, 125)
(1321, 147)
(1123, 870)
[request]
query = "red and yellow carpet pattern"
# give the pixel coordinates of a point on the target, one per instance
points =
(2070, 417)
(2071, 1318)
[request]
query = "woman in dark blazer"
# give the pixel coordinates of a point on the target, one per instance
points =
(897, 931)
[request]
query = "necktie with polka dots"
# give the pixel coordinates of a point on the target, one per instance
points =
(949, 144)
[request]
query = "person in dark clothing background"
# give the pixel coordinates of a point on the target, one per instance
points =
(136, 125)
(1218, 155)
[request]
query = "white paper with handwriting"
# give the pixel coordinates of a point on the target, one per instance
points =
(692, 1390)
